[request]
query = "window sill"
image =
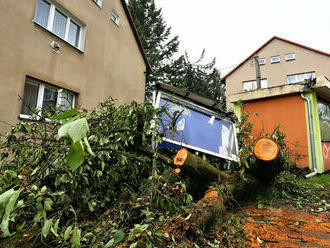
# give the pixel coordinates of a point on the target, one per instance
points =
(50, 32)
(29, 118)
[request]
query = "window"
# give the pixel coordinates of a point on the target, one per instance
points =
(252, 85)
(262, 61)
(60, 22)
(324, 116)
(42, 96)
(290, 56)
(275, 59)
(98, 2)
(296, 78)
(114, 17)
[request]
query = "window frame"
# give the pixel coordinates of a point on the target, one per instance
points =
(262, 59)
(115, 17)
(254, 84)
(276, 61)
(40, 97)
(98, 3)
(298, 74)
(70, 18)
(288, 54)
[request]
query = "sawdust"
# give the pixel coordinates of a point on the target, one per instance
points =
(286, 227)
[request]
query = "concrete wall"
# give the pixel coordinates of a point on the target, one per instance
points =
(111, 64)
(290, 114)
(276, 74)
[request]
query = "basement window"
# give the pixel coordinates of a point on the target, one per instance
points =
(40, 96)
(252, 85)
(60, 22)
(275, 59)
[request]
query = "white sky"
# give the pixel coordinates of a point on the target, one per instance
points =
(231, 30)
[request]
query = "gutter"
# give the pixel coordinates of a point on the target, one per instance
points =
(311, 135)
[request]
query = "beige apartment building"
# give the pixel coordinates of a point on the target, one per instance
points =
(282, 62)
(88, 48)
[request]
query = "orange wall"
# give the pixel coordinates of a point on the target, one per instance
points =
(326, 154)
(289, 112)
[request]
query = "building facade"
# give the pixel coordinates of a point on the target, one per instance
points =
(62, 53)
(294, 93)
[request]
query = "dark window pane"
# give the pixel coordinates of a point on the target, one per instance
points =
(42, 13)
(324, 116)
(50, 99)
(30, 98)
(59, 24)
(73, 34)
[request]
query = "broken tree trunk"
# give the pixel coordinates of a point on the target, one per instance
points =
(198, 173)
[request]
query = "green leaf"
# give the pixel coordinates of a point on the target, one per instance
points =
(48, 204)
(118, 237)
(65, 115)
(12, 197)
(54, 228)
(75, 156)
(110, 243)
(76, 237)
(76, 130)
(46, 227)
(88, 147)
(67, 232)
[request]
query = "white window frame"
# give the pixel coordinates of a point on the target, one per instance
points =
(98, 2)
(262, 61)
(252, 84)
(40, 98)
(115, 17)
(305, 74)
(290, 56)
(82, 27)
(275, 59)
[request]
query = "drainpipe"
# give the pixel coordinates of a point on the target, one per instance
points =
(311, 136)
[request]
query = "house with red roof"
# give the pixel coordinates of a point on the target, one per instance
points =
(286, 83)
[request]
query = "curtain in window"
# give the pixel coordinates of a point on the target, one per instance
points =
(50, 99)
(42, 13)
(66, 101)
(324, 116)
(30, 98)
(73, 34)
(59, 24)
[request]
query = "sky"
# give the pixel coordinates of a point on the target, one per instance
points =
(231, 30)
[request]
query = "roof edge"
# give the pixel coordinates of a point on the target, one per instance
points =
(136, 35)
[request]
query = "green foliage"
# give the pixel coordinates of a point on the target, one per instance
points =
(161, 50)
(59, 185)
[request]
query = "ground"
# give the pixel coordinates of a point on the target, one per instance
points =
(286, 227)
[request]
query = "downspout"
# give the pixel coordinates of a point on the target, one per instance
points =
(311, 136)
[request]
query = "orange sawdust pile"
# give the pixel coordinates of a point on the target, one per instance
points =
(285, 227)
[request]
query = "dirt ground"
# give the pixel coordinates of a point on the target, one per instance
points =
(285, 227)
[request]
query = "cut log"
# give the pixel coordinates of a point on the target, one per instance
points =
(269, 164)
(266, 149)
(196, 165)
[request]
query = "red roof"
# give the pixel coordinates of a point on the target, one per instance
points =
(266, 43)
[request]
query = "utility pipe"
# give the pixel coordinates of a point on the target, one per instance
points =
(311, 136)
